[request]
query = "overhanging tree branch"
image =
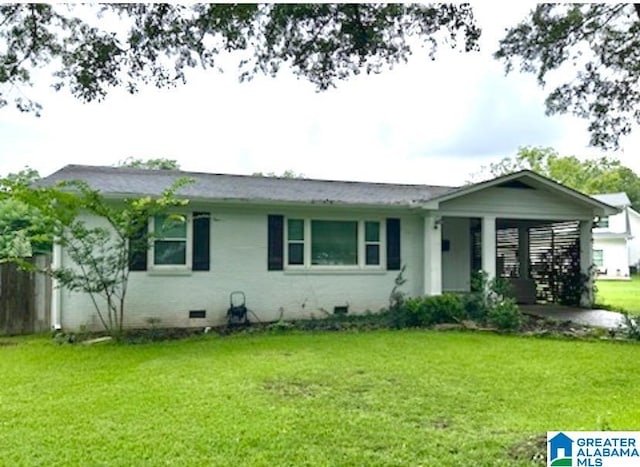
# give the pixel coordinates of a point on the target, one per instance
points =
(600, 43)
(165, 40)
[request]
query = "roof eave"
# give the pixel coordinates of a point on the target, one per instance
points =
(267, 202)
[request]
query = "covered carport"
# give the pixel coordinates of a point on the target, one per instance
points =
(541, 259)
(522, 226)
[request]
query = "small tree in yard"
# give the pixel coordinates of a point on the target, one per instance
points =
(100, 254)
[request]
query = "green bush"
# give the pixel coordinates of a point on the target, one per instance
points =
(426, 311)
(491, 302)
(496, 287)
(505, 314)
(475, 307)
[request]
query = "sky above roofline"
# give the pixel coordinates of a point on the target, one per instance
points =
(424, 122)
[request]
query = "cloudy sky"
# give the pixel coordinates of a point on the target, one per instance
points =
(433, 122)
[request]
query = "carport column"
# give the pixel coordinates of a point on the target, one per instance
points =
(586, 261)
(432, 254)
(523, 251)
(489, 246)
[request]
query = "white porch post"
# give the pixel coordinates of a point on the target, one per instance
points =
(523, 251)
(489, 246)
(586, 261)
(432, 255)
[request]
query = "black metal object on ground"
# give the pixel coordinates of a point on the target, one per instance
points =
(237, 312)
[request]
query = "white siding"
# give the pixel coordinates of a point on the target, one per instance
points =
(456, 263)
(614, 257)
(522, 203)
(619, 253)
(634, 243)
(239, 262)
(617, 224)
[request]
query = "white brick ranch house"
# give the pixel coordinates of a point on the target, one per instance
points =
(300, 248)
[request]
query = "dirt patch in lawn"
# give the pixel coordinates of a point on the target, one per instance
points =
(532, 449)
(7, 343)
(292, 388)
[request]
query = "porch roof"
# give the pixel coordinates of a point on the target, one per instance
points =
(526, 178)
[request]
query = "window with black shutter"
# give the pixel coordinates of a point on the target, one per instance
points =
(306, 243)
(201, 241)
(393, 244)
(138, 247)
(275, 245)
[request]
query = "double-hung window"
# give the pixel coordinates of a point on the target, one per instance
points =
(179, 243)
(372, 243)
(320, 243)
(295, 241)
(170, 243)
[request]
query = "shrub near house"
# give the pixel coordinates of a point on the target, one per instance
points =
(490, 304)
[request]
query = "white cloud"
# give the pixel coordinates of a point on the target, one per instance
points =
(424, 122)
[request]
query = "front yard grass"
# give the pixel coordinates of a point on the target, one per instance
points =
(374, 398)
(623, 295)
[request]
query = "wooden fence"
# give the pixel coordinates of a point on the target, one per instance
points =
(25, 299)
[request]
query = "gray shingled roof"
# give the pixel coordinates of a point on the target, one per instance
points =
(614, 199)
(222, 187)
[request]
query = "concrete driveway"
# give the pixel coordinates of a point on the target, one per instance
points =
(598, 318)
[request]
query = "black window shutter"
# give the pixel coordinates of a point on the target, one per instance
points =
(393, 244)
(201, 241)
(138, 248)
(275, 245)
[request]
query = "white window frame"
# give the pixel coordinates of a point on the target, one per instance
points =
(188, 247)
(361, 245)
(377, 243)
(599, 266)
(305, 236)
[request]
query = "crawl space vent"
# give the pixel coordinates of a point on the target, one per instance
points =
(197, 313)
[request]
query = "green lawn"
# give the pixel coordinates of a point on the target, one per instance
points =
(372, 398)
(620, 294)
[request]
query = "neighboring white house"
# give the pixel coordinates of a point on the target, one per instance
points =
(616, 238)
(300, 248)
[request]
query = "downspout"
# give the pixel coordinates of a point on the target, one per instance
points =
(628, 238)
(627, 222)
(56, 293)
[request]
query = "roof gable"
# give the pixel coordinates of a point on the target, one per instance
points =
(526, 179)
